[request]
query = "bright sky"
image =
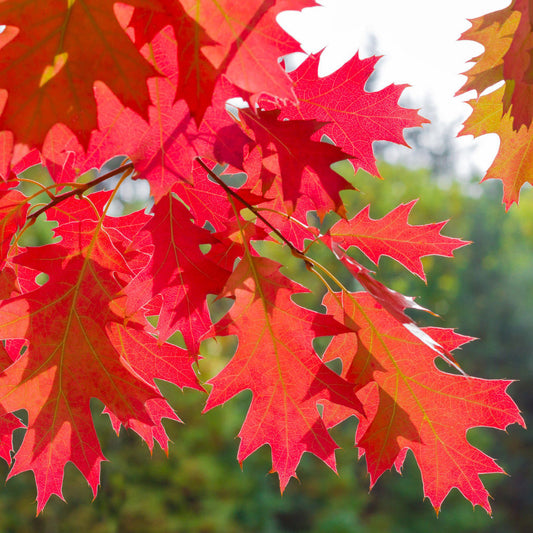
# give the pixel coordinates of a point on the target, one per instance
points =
(418, 39)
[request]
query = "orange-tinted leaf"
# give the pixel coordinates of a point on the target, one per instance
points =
(495, 32)
(507, 36)
(52, 57)
(419, 407)
(514, 162)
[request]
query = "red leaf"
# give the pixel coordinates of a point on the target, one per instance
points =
(302, 166)
(353, 117)
(67, 318)
(420, 407)
(393, 236)
(177, 270)
(279, 366)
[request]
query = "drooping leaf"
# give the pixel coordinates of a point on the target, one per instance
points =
(419, 407)
(276, 361)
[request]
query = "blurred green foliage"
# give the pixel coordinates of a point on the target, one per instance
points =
(486, 291)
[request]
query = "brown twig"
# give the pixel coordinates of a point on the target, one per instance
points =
(294, 250)
(80, 189)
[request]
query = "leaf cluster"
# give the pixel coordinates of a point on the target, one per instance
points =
(156, 84)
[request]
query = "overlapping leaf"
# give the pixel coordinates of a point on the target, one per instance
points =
(353, 118)
(67, 320)
(278, 364)
(178, 270)
(301, 166)
(508, 40)
(419, 407)
(244, 43)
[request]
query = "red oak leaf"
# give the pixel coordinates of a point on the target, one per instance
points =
(161, 149)
(419, 407)
(121, 230)
(393, 236)
(302, 166)
(278, 364)
(177, 270)
(353, 117)
(67, 318)
(292, 224)
(394, 302)
(44, 50)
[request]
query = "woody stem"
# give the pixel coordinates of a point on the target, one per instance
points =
(295, 251)
(79, 190)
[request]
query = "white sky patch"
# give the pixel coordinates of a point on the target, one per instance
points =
(418, 41)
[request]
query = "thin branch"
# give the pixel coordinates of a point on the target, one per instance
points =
(81, 189)
(294, 250)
